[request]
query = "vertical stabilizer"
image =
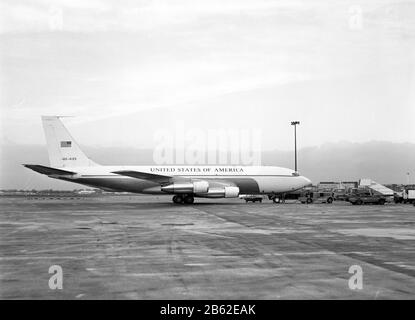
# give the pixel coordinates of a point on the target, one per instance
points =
(62, 148)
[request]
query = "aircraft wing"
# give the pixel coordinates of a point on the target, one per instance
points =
(144, 175)
(48, 170)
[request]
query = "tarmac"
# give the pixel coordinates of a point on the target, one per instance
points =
(145, 247)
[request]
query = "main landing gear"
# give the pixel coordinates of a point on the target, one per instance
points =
(186, 199)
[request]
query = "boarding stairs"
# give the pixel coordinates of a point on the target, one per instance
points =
(376, 187)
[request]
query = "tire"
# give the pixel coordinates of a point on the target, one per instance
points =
(177, 199)
(260, 201)
(381, 202)
(359, 202)
(276, 200)
(330, 200)
(189, 200)
(309, 200)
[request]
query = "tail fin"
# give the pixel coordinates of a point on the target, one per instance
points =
(62, 148)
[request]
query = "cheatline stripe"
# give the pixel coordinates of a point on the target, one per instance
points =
(194, 176)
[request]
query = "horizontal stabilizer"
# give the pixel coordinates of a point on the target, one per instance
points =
(143, 175)
(48, 170)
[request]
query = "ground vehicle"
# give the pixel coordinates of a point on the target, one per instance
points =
(278, 198)
(251, 197)
(316, 196)
(365, 196)
(409, 196)
(340, 195)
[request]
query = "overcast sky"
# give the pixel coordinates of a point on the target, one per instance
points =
(125, 69)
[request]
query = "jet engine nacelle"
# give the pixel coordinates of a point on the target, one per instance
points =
(187, 187)
(225, 192)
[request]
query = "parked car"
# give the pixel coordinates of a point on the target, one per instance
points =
(366, 196)
(340, 195)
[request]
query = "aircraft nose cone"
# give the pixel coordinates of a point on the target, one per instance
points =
(307, 182)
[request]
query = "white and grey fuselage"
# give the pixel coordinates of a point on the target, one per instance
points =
(249, 180)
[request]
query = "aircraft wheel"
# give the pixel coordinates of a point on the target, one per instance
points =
(189, 200)
(329, 200)
(178, 199)
(309, 200)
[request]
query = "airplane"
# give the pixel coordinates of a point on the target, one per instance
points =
(184, 183)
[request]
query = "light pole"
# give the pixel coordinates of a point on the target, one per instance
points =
(294, 123)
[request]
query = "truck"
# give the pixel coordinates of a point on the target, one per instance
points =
(316, 196)
(408, 196)
(366, 196)
(281, 197)
(251, 197)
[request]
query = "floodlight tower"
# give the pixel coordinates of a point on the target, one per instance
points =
(294, 123)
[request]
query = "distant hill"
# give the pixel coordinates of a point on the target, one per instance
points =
(384, 162)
